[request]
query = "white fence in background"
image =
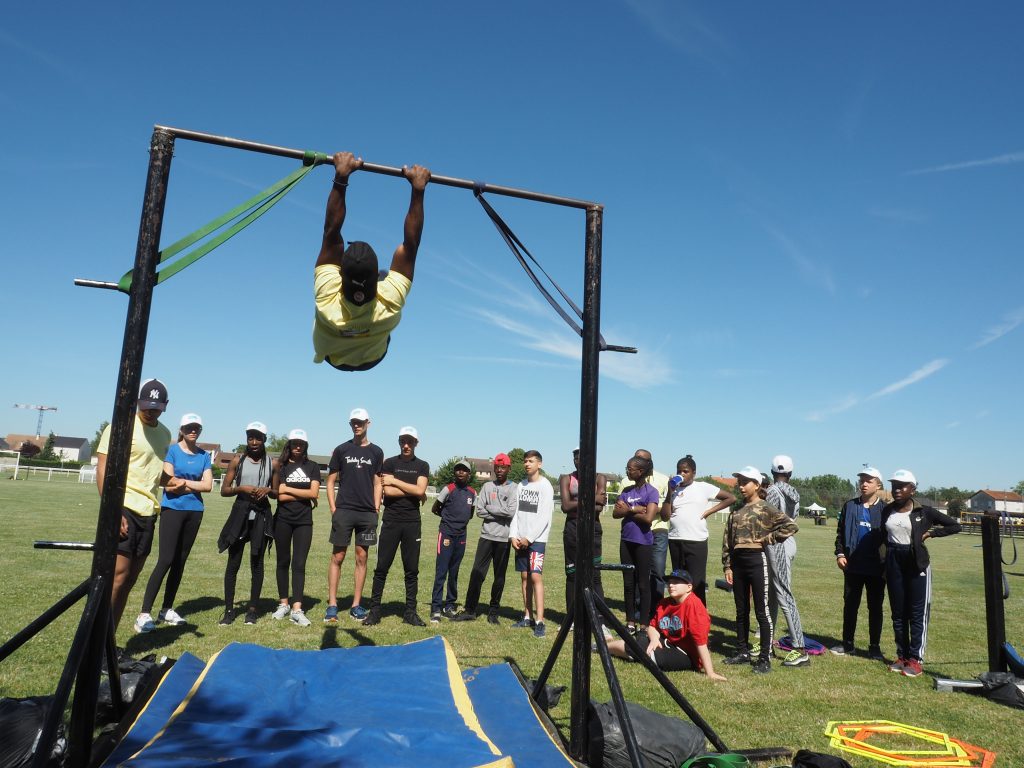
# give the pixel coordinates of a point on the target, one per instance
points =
(83, 475)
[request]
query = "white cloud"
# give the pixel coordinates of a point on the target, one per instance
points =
(845, 404)
(1007, 159)
(811, 270)
(1010, 321)
(921, 373)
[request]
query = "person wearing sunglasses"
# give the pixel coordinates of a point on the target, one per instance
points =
(187, 474)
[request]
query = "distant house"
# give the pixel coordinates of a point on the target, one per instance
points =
(72, 448)
(3, 445)
(996, 501)
(28, 445)
(729, 482)
(483, 469)
(211, 448)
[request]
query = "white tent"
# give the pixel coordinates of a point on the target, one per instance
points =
(815, 509)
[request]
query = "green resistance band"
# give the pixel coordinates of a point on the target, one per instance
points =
(253, 208)
(728, 760)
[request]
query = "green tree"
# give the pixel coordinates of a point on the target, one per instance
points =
(99, 433)
(48, 453)
(517, 471)
(445, 474)
(1019, 488)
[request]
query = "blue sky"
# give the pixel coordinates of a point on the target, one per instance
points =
(813, 223)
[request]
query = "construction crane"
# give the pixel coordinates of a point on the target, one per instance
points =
(42, 409)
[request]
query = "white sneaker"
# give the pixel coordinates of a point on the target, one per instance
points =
(282, 611)
(144, 623)
(299, 617)
(170, 616)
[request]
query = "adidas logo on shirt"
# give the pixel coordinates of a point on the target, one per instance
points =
(297, 476)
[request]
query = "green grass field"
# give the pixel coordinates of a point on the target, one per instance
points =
(789, 707)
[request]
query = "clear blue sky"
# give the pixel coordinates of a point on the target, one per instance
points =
(813, 223)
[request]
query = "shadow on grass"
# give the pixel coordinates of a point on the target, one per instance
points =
(329, 639)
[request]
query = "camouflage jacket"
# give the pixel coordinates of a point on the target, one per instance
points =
(756, 523)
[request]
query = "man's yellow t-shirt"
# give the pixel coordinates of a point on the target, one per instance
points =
(347, 334)
(146, 462)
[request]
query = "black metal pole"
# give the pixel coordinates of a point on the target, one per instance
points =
(993, 574)
(549, 664)
(386, 170)
(44, 619)
(122, 423)
(580, 694)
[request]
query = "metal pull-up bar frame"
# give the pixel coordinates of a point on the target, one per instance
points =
(95, 634)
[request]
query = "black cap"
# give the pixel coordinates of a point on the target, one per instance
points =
(359, 273)
(153, 396)
(680, 575)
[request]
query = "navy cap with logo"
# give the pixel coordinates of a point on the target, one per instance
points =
(359, 273)
(153, 396)
(680, 575)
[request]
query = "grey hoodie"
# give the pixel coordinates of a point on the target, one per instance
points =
(496, 504)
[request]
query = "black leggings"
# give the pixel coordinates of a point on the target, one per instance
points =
(394, 535)
(257, 548)
(691, 556)
(293, 542)
(178, 531)
(750, 579)
(638, 579)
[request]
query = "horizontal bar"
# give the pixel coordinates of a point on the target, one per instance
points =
(79, 546)
(617, 348)
(96, 284)
(386, 170)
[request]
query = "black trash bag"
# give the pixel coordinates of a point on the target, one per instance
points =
(665, 742)
(807, 759)
(1002, 688)
(138, 676)
(549, 697)
(20, 723)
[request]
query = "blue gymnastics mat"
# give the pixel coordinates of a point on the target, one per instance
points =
(255, 707)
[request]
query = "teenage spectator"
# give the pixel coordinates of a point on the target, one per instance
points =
(354, 314)
(747, 531)
(404, 481)
(908, 573)
(783, 496)
(636, 507)
(528, 533)
(357, 464)
(677, 637)
(659, 533)
(859, 542)
(298, 488)
(150, 440)
(569, 489)
(454, 505)
(689, 504)
(187, 473)
(496, 505)
(251, 479)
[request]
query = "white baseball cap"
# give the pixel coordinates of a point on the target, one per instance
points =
(191, 418)
(298, 434)
(359, 414)
(870, 472)
(903, 476)
(750, 473)
(782, 464)
(410, 431)
(257, 426)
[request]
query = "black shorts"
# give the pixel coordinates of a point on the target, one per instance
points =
(344, 522)
(139, 541)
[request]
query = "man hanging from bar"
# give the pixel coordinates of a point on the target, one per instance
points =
(358, 307)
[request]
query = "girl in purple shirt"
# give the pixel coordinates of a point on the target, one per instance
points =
(636, 507)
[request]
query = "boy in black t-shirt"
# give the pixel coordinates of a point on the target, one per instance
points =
(405, 486)
(357, 464)
(454, 505)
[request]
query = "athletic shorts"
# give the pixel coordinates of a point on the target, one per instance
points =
(139, 541)
(531, 559)
(346, 522)
(671, 658)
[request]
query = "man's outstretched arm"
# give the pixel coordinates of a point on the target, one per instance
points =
(404, 260)
(333, 245)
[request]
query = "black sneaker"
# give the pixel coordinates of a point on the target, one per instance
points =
(464, 616)
(227, 618)
(250, 615)
(743, 657)
(875, 653)
(538, 629)
(372, 618)
(413, 620)
(524, 623)
(449, 612)
(435, 617)
(492, 619)
(762, 667)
